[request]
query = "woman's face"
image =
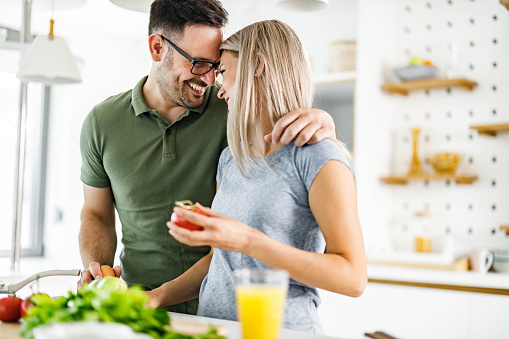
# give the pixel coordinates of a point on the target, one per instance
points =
(228, 69)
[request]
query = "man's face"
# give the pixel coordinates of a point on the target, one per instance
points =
(177, 83)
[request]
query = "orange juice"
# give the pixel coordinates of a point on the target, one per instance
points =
(260, 310)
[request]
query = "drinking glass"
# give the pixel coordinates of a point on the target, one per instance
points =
(261, 295)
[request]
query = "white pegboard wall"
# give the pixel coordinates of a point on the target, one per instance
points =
(472, 214)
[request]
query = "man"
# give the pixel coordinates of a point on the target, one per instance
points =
(144, 149)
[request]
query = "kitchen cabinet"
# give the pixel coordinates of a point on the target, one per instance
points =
(334, 93)
(415, 312)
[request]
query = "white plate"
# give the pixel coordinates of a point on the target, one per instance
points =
(86, 330)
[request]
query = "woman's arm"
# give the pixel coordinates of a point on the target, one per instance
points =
(182, 288)
(332, 199)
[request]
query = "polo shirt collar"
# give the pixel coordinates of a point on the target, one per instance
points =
(140, 106)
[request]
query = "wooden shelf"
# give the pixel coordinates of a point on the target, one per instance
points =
(491, 130)
(333, 78)
(404, 87)
(505, 228)
(402, 180)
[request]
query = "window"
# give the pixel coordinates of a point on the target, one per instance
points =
(35, 156)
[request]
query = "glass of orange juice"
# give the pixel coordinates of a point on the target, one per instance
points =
(261, 295)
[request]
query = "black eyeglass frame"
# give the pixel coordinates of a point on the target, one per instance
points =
(213, 65)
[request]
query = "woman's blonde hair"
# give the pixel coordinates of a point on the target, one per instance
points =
(283, 85)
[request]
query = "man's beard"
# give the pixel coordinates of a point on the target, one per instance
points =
(174, 91)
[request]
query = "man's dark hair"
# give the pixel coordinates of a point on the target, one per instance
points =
(171, 17)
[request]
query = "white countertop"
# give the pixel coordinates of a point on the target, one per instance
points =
(234, 331)
(441, 277)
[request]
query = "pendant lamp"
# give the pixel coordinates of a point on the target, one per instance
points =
(303, 5)
(49, 61)
(134, 5)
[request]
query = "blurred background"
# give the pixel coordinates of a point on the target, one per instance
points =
(429, 230)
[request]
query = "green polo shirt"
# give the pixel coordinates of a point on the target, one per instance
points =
(149, 164)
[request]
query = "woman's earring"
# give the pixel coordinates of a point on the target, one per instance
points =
(256, 74)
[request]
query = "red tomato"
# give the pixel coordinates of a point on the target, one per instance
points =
(181, 222)
(24, 306)
(10, 309)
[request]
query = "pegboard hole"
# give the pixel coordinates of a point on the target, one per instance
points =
(449, 114)
(448, 137)
(494, 111)
(449, 24)
(494, 159)
(472, 44)
(471, 113)
(448, 90)
(428, 27)
(493, 231)
(494, 64)
(495, 41)
(471, 136)
(493, 183)
(472, 21)
(471, 67)
(448, 206)
(470, 230)
(494, 207)
(470, 206)
(470, 160)
(428, 5)
(495, 18)
(494, 88)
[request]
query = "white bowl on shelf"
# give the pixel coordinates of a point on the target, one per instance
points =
(416, 72)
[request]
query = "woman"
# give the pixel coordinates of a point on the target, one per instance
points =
(276, 205)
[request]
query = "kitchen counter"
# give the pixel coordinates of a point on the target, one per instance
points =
(492, 283)
(10, 331)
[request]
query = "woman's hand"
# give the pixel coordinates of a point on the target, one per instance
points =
(218, 231)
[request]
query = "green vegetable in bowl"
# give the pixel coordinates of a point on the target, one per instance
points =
(104, 302)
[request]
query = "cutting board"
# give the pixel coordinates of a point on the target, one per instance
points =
(11, 331)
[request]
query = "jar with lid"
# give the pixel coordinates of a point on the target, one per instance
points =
(422, 238)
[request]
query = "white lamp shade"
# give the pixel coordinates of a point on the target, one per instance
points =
(134, 5)
(48, 61)
(303, 5)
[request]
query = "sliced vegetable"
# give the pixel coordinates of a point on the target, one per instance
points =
(181, 222)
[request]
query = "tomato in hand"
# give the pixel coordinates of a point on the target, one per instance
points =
(181, 222)
(10, 309)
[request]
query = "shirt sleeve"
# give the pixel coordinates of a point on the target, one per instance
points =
(220, 165)
(93, 172)
(310, 159)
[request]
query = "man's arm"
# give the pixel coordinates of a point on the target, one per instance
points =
(97, 237)
(306, 126)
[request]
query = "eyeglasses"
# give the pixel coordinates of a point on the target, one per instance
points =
(198, 67)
